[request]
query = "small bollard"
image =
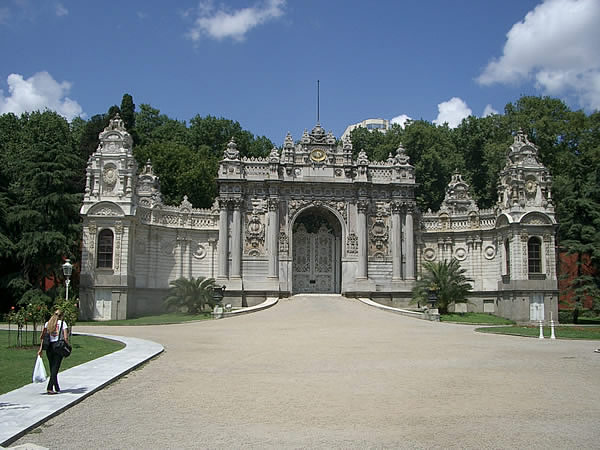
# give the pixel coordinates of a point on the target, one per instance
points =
(541, 331)
(552, 335)
(217, 312)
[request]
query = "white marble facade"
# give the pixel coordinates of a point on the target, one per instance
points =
(310, 218)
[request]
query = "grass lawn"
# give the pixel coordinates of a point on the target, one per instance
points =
(570, 332)
(17, 364)
(475, 318)
(161, 319)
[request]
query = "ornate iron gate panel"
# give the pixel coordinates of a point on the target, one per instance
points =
(314, 261)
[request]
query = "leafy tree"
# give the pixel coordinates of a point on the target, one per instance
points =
(182, 172)
(369, 141)
(447, 279)
(151, 127)
(435, 158)
(44, 221)
(216, 133)
(191, 294)
(483, 142)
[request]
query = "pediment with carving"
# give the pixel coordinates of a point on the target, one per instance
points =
(106, 209)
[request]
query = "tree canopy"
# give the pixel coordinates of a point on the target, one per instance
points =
(43, 160)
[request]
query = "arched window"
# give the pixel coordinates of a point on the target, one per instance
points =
(534, 255)
(507, 253)
(105, 249)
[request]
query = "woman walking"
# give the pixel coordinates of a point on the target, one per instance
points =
(53, 328)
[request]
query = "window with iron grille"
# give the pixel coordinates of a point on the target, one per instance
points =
(105, 249)
(507, 253)
(534, 255)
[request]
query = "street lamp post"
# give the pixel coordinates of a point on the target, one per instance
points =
(67, 268)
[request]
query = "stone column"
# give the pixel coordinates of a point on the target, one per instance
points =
(410, 244)
(361, 231)
(273, 238)
(223, 244)
(396, 242)
(236, 241)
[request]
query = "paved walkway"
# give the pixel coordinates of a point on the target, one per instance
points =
(335, 373)
(23, 409)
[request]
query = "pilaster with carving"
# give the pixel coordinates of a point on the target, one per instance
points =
(91, 232)
(118, 239)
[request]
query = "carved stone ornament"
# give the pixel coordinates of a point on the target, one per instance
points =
(274, 156)
(105, 211)
(352, 244)
(362, 205)
(200, 252)
(273, 203)
(379, 233)
(284, 245)
(489, 252)
(536, 219)
(232, 152)
(402, 158)
(460, 254)
(255, 232)
(109, 175)
(429, 254)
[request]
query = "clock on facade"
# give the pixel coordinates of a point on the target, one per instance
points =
(318, 155)
(530, 186)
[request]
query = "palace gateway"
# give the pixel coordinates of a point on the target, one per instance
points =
(311, 219)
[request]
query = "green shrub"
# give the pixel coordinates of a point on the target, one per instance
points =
(565, 316)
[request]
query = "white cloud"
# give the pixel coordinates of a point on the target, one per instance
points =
(61, 10)
(221, 24)
(401, 120)
(453, 112)
(39, 92)
(557, 45)
(488, 111)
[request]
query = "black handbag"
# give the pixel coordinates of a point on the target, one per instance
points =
(46, 341)
(62, 347)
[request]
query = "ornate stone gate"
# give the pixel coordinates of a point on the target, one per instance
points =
(312, 217)
(316, 261)
(371, 205)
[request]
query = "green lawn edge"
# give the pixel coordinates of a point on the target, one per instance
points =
(566, 332)
(475, 319)
(16, 369)
(159, 319)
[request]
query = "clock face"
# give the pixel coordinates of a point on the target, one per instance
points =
(318, 155)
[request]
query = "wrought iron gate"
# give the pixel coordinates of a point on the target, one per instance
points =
(314, 261)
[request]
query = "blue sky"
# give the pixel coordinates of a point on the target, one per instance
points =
(257, 62)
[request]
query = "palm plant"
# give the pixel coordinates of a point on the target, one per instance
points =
(447, 279)
(193, 294)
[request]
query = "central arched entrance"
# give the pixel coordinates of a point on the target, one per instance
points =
(316, 252)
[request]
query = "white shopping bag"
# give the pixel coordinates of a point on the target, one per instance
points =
(39, 371)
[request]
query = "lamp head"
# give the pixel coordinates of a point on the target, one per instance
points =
(67, 268)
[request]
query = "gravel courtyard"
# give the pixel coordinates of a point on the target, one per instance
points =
(330, 372)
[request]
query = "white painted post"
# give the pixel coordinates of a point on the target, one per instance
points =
(541, 331)
(552, 335)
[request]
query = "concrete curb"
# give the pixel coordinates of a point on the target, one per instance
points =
(28, 407)
(271, 301)
(403, 312)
